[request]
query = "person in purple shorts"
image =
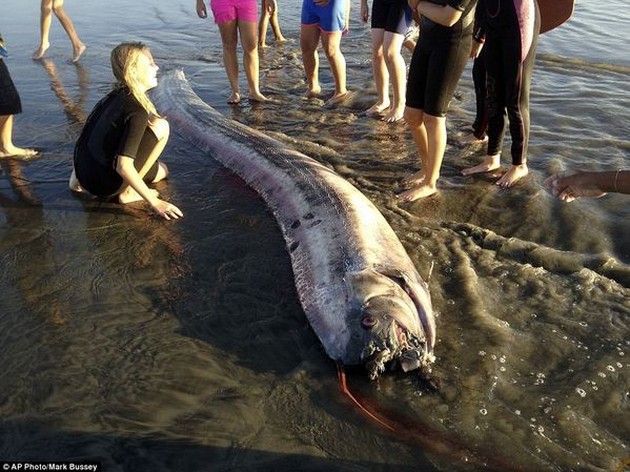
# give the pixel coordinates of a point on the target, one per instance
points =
(234, 18)
(326, 20)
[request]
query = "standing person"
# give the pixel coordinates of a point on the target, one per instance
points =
(436, 67)
(234, 18)
(48, 7)
(391, 20)
(269, 15)
(326, 20)
(477, 53)
(10, 104)
(511, 35)
(117, 152)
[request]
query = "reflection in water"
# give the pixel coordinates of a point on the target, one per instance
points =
(73, 107)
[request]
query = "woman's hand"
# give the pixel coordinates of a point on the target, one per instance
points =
(202, 12)
(365, 11)
(166, 210)
(475, 49)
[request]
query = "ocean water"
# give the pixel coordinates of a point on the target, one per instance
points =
(181, 346)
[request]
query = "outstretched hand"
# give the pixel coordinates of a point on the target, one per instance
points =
(569, 186)
(167, 210)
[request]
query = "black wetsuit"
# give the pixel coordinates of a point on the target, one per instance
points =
(439, 60)
(509, 75)
(116, 127)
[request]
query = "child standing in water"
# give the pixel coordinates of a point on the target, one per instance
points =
(390, 22)
(10, 105)
(269, 15)
(511, 33)
(48, 7)
(436, 67)
(234, 18)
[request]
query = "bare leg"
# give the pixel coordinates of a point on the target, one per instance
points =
(436, 145)
(7, 148)
(275, 24)
(392, 43)
(381, 76)
(415, 121)
(161, 130)
(332, 43)
(229, 38)
(309, 39)
(45, 21)
(77, 46)
(263, 24)
(249, 41)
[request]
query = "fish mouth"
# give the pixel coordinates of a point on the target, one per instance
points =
(395, 345)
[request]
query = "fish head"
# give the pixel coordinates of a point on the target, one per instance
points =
(392, 323)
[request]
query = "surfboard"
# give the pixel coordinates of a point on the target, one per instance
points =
(553, 13)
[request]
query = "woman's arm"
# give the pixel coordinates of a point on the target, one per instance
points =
(127, 170)
(569, 186)
(444, 15)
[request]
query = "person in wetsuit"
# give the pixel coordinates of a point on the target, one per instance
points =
(436, 67)
(391, 20)
(117, 152)
(511, 34)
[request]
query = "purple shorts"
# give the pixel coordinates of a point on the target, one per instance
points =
(230, 10)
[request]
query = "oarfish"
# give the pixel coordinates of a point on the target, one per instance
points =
(359, 289)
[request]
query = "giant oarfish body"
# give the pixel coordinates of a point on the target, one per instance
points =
(360, 291)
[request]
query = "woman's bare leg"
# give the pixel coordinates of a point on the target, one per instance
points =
(249, 41)
(229, 39)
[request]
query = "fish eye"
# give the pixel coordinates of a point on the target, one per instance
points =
(369, 322)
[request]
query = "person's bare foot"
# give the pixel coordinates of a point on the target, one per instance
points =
(416, 193)
(338, 98)
(377, 110)
(513, 175)
(313, 92)
(470, 138)
(129, 195)
(257, 97)
(235, 98)
(18, 152)
(395, 115)
(78, 52)
(489, 164)
(413, 180)
(39, 53)
(74, 184)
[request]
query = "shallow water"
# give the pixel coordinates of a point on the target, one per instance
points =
(153, 345)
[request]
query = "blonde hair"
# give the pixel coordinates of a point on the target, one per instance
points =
(124, 59)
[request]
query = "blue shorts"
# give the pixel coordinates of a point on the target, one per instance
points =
(330, 18)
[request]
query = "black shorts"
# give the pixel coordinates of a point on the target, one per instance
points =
(435, 70)
(10, 103)
(391, 15)
(104, 181)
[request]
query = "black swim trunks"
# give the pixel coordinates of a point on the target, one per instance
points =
(393, 16)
